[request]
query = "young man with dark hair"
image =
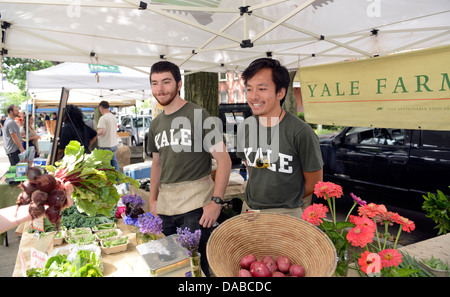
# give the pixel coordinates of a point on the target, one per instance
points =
(182, 191)
(107, 132)
(281, 151)
(11, 136)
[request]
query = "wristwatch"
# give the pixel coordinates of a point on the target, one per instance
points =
(217, 200)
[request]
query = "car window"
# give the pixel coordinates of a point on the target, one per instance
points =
(375, 136)
(125, 121)
(138, 122)
(436, 139)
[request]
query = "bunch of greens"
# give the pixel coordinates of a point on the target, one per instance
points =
(72, 218)
(86, 264)
(435, 263)
(437, 208)
(92, 177)
(107, 234)
(81, 239)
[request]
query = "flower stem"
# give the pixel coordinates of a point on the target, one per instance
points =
(378, 237)
(398, 236)
(351, 209)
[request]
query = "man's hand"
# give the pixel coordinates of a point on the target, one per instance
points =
(211, 212)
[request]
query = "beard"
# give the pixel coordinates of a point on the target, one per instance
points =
(169, 96)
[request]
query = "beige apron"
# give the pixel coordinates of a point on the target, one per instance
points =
(296, 212)
(182, 197)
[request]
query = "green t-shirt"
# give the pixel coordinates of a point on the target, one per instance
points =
(291, 148)
(182, 140)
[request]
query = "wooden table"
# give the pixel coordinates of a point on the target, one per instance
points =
(126, 263)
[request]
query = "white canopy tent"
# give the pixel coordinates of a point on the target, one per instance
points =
(88, 84)
(219, 35)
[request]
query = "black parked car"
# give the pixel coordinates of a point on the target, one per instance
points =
(390, 166)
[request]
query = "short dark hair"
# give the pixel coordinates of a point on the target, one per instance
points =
(104, 104)
(166, 66)
(280, 75)
(10, 108)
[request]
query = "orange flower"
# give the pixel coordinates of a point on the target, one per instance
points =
(365, 263)
(314, 213)
(407, 224)
(324, 189)
(370, 210)
(360, 236)
(390, 257)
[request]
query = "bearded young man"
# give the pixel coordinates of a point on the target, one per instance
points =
(281, 151)
(182, 192)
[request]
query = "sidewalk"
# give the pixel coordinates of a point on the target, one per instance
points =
(8, 254)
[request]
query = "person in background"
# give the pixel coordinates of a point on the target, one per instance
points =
(33, 137)
(2, 122)
(54, 116)
(74, 128)
(11, 136)
(107, 132)
(283, 169)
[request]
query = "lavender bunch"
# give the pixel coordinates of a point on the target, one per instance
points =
(189, 240)
(150, 225)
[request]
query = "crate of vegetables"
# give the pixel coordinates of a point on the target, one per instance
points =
(114, 244)
(59, 237)
(271, 242)
(100, 235)
(82, 239)
(78, 231)
(104, 226)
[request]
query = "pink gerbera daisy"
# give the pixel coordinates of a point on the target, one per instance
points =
(390, 257)
(360, 236)
(324, 189)
(315, 213)
(370, 210)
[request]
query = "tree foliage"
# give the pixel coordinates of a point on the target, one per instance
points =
(15, 69)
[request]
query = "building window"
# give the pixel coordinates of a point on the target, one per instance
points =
(236, 96)
(222, 76)
(224, 97)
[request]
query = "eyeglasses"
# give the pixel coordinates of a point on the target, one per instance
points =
(262, 163)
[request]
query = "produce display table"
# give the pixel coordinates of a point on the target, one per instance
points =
(8, 197)
(437, 246)
(126, 263)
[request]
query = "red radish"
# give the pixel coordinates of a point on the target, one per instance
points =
(259, 269)
(270, 263)
(244, 273)
(283, 263)
(246, 261)
(277, 274)
(297, 270)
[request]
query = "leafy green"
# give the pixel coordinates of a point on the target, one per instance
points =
(86, 264)
(437, 208)
(92, 177)
(114, 242)
(436, 263)
(72, 218)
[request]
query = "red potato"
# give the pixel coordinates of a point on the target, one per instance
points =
(259, 269)
(297, 270)
(277, 274)
(244, 273)
(246, 261)
(270, 263)
(283, 263)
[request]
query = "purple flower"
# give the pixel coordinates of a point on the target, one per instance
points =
(149, 224)
(133, 201)
(358, 200)
(130, 221)
(189, 240)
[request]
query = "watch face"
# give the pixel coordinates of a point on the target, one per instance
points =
(217, 200)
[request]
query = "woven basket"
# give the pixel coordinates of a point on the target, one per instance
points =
(270, 234)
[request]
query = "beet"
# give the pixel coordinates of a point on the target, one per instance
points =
(39, 197)
(28, 187)
(56, 198)
(45, 182)
(36, 210)
(33, 172)
(53, 215)
(23, 199)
